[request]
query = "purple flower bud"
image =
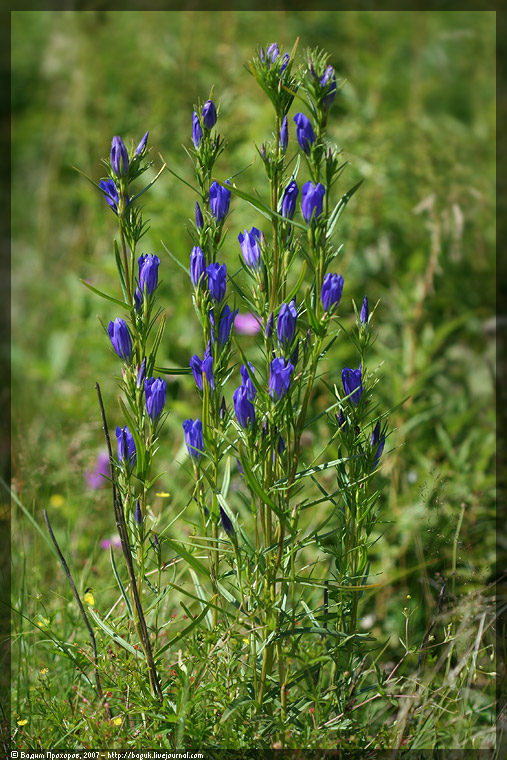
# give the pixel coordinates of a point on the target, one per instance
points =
(247, 381)
(250, 248)
(194, 438)
(142, 145)
(138, 515)
(279, 379)
(197, 265)
(141, 374)
(120, 338)
(203, 366)
(379, 441)
(226, 522)
(148, 274)
(244, 408)
(352, 384)
(156, 544)
(125, 446)
(110, 193)
(285, 61)
(217, 278)
(219, 200)
(332, 289)
(119, 157)
(328, 82)
(365, 313)
(342, 420)
(289, 200)
(224, 330)
(295, 354)
(240, 468)
(209, 114)
(312, 200)
(196, 130)
(223, 408)
(262, 55)
(304, 132)
(199, 220)
(272, 53)
(286, 324)
(268, 332)
(280, 447)
(154, 394)
(284, 134)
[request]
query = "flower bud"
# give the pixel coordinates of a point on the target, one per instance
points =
(219, 200)
(304, 132)
(138, 515)
(379, 441)
(244, 408)
(217, 277)
(289, 200)
(352, 384)
(194, 438)
(120, 338)
(197, 265)
(154, 394)
(332, 289)
(203, 366)
(196, 130)
(286, 324)
(272, 53)
(247, 380)
(119, 157)
(141, 374)
(209, 114)
(225, 327)
(142, 145)
(249, 242)
(199, 220)
(110, 193)
(312, 200)
(284, 134)
(148, 275)
(279, 379)
(126, 447)
(226, 522)
(328, 82)
(365, 314)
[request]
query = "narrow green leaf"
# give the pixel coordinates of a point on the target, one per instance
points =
(108, 298)
(176, 261)
(115, 636)
(120, 584)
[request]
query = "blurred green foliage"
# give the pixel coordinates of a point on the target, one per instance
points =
(415, 118)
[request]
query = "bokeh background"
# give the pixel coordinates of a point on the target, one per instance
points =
(415, 118)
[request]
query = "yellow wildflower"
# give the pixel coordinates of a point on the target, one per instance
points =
(56, 500)
(117, 721)
(89, 598)
(22, 722)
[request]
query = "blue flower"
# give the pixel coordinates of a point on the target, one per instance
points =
(199, 220)
(243, 406)
(365, 313)
(247, 380)
(194, 438)
(148, 276)
(226, 522)
(217, 278)
(120, 338)
(196, 130)
(154, 394)
(312, 200)
(286, 324)
(328, 82)
(209, 114)
(219, 200)
(304, 132)
(125, 446)
(352, 384)
(119, 157)
(379, 441)
(279, 379)
(203, 366)
(332, 289)
(249, 242)
(284, 134)
(289, 200)
(142, 145)
(197, 265)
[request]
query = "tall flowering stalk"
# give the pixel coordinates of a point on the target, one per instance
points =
(135, 339)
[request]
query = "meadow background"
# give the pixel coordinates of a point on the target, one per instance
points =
(416, 119)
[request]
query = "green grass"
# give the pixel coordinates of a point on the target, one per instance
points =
(416, 119)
